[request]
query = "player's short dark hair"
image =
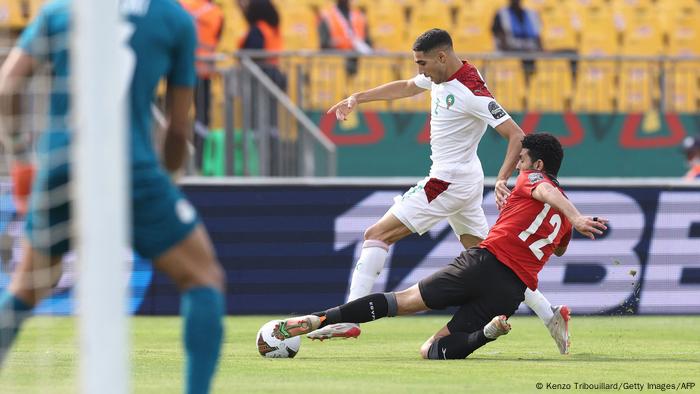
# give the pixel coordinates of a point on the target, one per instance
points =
(545, 147)
(431, 39)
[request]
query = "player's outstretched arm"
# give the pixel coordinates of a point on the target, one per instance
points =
(588, 226)
(179, 127)
(389, 91)
(514, 135)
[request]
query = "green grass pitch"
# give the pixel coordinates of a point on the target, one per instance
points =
(657, 350)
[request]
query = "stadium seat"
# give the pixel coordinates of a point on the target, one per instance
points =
(235, 26)
(598, 32)
(550, 86)
(372, 72)
(682, 86)
(387, 26)
(434, 13)
(506, 80)
(595, 87)
(11, 14)
(299, 28)
(642, 33)
(558, 29)
(638, 86)
(472, 30)
(418, 103)
(327, 82)
(682, 30)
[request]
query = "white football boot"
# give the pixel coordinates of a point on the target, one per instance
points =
(338, 330)
(559, 327)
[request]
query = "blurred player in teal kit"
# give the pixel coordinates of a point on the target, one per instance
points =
(165, 227)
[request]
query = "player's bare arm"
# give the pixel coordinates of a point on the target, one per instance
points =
(389, 91)
(586, 225)
(18, 66)
(514, 135)
(179, 127)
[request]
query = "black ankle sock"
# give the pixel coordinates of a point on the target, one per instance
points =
(368, 308)
(457, 345)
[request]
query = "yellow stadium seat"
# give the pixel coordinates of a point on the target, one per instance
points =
(682, 86)
(372, 72)
(327, 82)
(638, 86)
(433, 14)
(34, 7)
(550, 86)
(505, 78)
(418, 103)
(598, 33)
(622, 4)
(12, 15)
(299, 27)
(387, 28)
(472, 30)
(235, 26)
(558, 29)
(538, 5)
(582, 5)
(642, 34)
(683, 31)
(595, 87)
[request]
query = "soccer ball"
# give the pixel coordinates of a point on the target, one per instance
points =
(271, 346)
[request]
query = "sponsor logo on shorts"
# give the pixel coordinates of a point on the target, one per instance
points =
(496, 111)
(185, 212)
(535, 177)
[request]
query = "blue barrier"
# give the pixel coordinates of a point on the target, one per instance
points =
(291, 249)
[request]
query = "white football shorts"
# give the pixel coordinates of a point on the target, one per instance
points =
(433, 200)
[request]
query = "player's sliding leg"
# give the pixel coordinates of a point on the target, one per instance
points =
(369, 265)
(369, 308)
(32, 281)
(556, 318)
(198, 275)
(459, 345)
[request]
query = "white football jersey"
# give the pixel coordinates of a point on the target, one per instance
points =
(461, 109)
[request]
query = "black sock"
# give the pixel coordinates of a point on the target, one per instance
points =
(457, 345)
(368, 308)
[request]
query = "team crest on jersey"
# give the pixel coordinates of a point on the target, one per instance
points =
(535, 177)
(450, 100)
(496, 110)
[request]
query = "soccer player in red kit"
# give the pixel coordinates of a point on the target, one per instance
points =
(486, 282)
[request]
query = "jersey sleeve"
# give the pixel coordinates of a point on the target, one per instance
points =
(488, 110)
(529, 180)
(34, 40)
(182, 72)
(422, 82)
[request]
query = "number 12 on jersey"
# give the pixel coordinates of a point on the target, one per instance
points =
(536, 247)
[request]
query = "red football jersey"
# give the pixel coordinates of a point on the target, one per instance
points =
(527, 230)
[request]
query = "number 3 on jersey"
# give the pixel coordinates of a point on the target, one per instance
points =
(536, 247)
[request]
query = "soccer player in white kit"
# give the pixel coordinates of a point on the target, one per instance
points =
(462, 108)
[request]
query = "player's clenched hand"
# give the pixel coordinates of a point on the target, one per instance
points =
(343, 108)
(590, 226)
(502, 192)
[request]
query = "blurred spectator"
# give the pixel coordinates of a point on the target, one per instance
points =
(691, 147)
(517, 29)
(264, 34)
(209, 20)
(343, 27)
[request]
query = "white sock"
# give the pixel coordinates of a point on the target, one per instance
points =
(367, 269)
(540, 305)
